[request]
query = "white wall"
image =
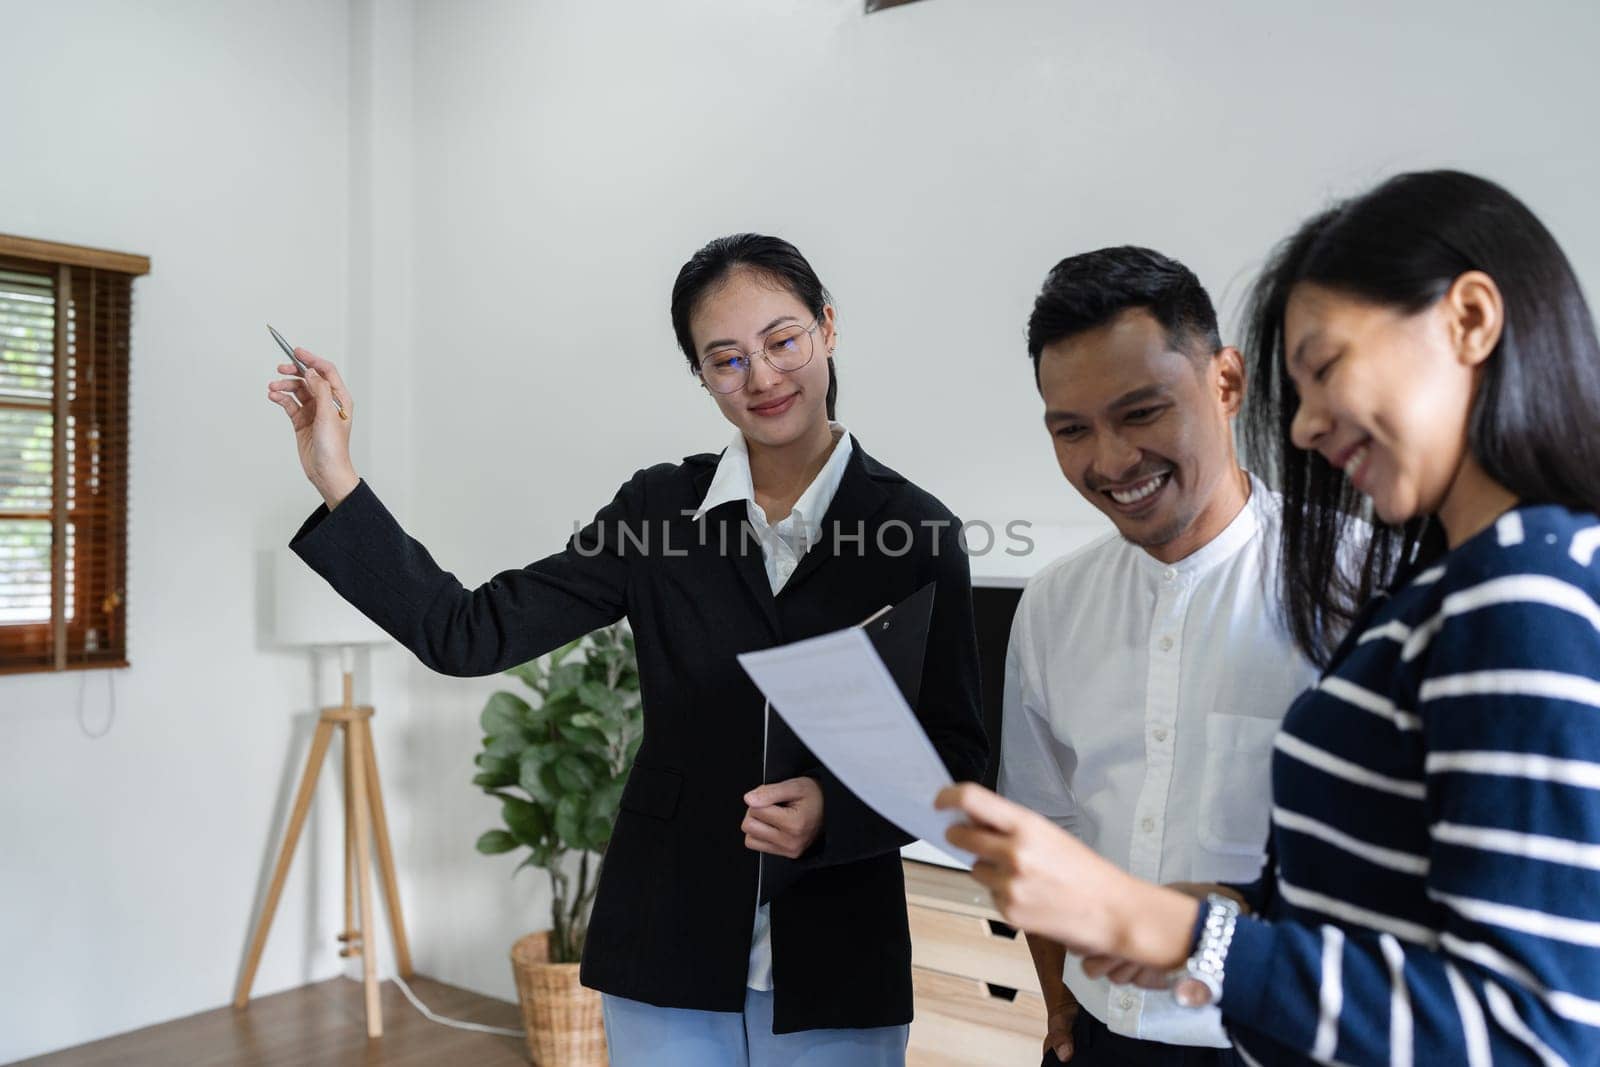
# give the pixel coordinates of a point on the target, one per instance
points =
(480, 208)
(933, 161)
(214, 138)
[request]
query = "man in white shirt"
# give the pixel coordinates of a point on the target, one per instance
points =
(1147, 673)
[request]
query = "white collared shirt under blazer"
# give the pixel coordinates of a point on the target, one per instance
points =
(783, 544)
(1141, 703)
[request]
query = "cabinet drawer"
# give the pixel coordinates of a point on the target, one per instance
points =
(962, 1021)
(971, 947)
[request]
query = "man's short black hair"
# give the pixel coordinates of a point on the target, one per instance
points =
(1086, 291)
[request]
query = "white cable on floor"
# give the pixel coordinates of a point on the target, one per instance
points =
(459, 1025)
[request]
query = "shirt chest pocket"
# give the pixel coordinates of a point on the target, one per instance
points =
(1236, 785)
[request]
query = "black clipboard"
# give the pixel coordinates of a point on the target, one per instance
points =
(899, 634)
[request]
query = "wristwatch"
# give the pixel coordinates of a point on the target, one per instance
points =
(1198, 983)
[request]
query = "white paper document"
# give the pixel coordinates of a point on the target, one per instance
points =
(839, 698)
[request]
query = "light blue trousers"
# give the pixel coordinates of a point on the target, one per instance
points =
(643, 1035)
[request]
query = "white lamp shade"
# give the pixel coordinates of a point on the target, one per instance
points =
(306, 610)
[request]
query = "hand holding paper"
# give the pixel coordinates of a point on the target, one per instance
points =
(840, 700)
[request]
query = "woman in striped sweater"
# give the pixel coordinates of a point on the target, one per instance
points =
(1423, 358)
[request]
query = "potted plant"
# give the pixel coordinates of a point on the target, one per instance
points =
(557, 763)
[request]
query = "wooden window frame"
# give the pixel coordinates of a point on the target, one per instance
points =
(66, 264)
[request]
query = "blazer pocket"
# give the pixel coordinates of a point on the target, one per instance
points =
(652, 791)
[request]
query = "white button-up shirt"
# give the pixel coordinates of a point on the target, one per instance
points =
(1141, 702)
(782, 546)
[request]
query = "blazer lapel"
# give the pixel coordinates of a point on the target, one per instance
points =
(860, 495)
(726, 537)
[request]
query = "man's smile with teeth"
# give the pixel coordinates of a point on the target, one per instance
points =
(1135, 493)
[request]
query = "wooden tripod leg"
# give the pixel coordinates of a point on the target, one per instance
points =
(369, 956)
(349, 932)
(302, 804)
(391, 885)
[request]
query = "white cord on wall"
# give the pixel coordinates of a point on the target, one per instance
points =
(111, 713)
(457, 1023)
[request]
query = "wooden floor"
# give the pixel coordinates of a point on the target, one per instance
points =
(321, 1024)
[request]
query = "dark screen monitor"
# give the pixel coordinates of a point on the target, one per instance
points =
(993, 607)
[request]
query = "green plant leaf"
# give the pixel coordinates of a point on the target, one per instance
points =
(531, 674)
(490, 782)
(529, 778)
(564, 651)
(575, 774)
(601, 698)
(508, 746)
(493, 842)
(552, 786)
(544, 856)
(569, 820)
(539, 752)
(526, 820)
(540, 716)
(496, 765)
(597, 834)
(566, 679)
(585, 737)
(607, 727)
(604, 801)
(505, 713)
(560, 747)
(563, 706)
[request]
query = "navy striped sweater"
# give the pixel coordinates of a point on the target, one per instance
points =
(1435, 897)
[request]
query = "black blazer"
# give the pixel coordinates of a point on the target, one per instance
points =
(677, 895)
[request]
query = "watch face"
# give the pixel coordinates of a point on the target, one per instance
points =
(1191, 993)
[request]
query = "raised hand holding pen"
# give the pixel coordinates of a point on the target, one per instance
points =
(322, 432)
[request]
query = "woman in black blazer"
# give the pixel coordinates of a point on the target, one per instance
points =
(791, 532)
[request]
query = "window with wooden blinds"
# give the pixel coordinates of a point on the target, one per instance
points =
(64, 318)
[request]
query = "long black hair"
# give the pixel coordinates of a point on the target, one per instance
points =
(1533, 426)
(772, 257)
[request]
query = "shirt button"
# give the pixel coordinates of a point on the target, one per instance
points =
(1166, 644)
(1160, 733)
(1170, 573)
(1148, 825)
(1127, 1002)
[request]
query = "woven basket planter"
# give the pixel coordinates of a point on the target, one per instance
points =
(564, 1021)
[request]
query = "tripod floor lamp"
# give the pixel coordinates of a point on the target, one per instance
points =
(308, 613)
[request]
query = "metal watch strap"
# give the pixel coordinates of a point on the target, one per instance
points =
(1209, 961)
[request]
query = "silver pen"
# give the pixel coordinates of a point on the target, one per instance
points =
(288, 350)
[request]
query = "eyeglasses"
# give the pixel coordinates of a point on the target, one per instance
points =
(787, 349)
